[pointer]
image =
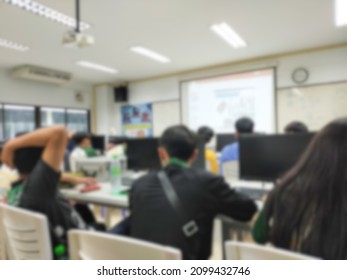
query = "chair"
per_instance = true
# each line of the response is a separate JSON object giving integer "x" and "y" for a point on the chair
{"x": 87, "y": 245}
{"x": 25, "y": 233}
{"x": 245, "y": 251}
{"x": 3, "y": 255}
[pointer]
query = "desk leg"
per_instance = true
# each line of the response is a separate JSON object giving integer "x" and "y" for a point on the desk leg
{"x": 239, "y": 234}
{"x": 226, "y": 234}
{"x": 108, "y": 217}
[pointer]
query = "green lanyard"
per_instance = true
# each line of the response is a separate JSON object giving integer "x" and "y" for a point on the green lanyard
{"x": 14, "y": 194}
{"x": 90, "y": 152}
{"x": 178, "y": 162}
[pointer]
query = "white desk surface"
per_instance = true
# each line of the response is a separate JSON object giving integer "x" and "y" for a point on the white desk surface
{"x": 250, "y": 184}
{"x": 102, "y": 197}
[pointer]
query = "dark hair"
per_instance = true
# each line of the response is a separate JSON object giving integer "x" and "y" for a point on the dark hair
{"x": 205, "y": 133}
{"x": 244, "y": 125}
{"x": 25, "y": 159}
{"x": 80, "y": 136}
{"x": 179, "y": 142}
{"x": 308, "y": 209}
{"x": 296, "y": 127}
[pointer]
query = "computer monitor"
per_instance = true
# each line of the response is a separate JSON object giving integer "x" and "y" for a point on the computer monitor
{"x": 117, "y": 139}
{"x": 98, "y": 142}
{"x": 223, "y": 140}
{"x": 200, "y": 161}
{"x": 268, "y": 157}
{"x": 142, "y": 154}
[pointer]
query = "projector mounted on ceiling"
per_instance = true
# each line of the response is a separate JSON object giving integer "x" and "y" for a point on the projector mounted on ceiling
{"x": 74, "y": 38}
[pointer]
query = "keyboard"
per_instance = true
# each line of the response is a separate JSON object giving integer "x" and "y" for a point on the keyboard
{"x": 126, "y": 181}
{"x": 253, "y": 193}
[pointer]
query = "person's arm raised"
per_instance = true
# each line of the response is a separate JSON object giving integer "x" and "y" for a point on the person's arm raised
{"x": 53, "y": 139}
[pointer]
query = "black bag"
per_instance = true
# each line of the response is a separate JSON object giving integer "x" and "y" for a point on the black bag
{"x": 189, "y": 226}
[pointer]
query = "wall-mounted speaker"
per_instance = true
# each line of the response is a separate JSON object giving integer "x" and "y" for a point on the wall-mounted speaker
{"x": 120, "y": 94}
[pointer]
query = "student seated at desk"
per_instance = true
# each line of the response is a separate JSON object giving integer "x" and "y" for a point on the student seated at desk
{"x": 206, "y": 133}
{"x": 202, "y": 196}
{"x": 38, "y": 156}
{"x": 83, "y": 149}
{"x": 307, "y": 210}
{"x": 296, "y": 127}
{"x": 231, "y": 151}
{"x": 116, "y": 147}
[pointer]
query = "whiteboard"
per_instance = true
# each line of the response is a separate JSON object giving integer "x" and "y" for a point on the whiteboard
{"x": 313, "y": 105}
{"x": 165, "y": 114}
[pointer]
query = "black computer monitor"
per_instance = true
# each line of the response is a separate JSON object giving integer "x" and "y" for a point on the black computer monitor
{"x": 142, "y": 154}
{"x": 223, "y": 140}
{"x": 200, "y": 161}
{"x": 268, "y": 157}
{"x": 117, "y": 139}
{"x": 98, "y": 142}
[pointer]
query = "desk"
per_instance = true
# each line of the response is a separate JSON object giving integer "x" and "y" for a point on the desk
{"x": 231, "y": 227}
{"x": 104, "y": 197}
{"x": 101, "y": 197}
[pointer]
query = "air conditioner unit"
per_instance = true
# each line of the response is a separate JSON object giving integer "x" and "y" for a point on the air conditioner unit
{"x": 40, "y": 74}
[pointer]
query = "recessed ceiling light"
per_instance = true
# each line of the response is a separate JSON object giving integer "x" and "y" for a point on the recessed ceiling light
{"x": 229, "y": 35}
{"x": 97, "y": 67}
{"x": 340, "y": 12}
{"x": 151, "y": 54}
{"x": 44, "y": 11}
{"x": 12, "y": 45}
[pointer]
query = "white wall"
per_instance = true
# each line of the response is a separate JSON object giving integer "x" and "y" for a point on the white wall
{"x": 33, "y": 93}
{"x": 106, "y": 120}
{"x": 156, "y": 90}
{"x": 323, "y": 66}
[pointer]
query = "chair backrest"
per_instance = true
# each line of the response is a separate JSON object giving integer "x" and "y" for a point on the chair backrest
{"x": 231, "y": 170}
{"x": 26, "y": 234}
{"x": 3, "y": 255}
{"x": 246, "y": 251}
{"x": 90, "y": 245}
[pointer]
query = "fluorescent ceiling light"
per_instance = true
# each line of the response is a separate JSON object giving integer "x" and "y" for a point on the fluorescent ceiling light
{"x": 97, "y": 67}
{"x": 229, "y": 35}
{"x": 340, "y": 12}
{"x": 12, "y": 45}
{"x": 44, "y": 11}
{"x": 150, "y": 54}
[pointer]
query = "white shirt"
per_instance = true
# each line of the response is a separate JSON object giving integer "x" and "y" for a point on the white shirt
{"x": 76, "y": 154}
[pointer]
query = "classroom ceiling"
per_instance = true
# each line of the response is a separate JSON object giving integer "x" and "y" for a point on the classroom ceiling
{"x": 179, "y": 29}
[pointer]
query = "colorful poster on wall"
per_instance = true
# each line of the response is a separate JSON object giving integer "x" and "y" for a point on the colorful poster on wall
{"x": 137, "y": 120}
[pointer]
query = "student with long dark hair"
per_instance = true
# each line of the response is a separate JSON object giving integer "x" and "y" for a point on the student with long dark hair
{"x": 307, "y": 211}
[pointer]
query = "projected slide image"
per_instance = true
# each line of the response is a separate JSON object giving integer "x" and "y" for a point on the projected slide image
{"x": 233, "y": 105}
{"x": 219, "y": 102}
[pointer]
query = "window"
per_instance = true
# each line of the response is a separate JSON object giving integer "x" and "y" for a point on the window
{"x": 78, "y": 120}
{"x": 18, "y": 119}
{"x": 25, "y": 118}
{"x": 52, "y": 116}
